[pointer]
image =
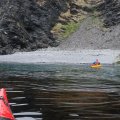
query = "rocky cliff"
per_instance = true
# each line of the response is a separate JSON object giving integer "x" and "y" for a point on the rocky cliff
{"x": 110, "y": 12}
{"x": 27, "y": 25}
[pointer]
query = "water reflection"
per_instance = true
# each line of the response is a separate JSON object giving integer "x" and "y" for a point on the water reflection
{"x": 50, "y": 92}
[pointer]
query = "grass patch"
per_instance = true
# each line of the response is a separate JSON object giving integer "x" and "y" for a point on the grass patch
{"x": 63, "y": 31}
{"x": 69, "y": 28}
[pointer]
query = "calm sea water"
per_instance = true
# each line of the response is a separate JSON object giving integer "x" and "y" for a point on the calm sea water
{"x": 62, "y": 92}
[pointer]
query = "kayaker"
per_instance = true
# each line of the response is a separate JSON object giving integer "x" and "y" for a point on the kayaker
{"x": 96, "y": 62}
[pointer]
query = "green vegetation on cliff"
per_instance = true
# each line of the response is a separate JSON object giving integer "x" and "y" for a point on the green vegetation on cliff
{"x": 64, "y": 31}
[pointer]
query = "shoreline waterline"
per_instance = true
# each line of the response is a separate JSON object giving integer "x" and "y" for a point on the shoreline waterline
{"x": 53, "y": 55}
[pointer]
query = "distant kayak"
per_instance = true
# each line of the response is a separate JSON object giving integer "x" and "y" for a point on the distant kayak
{"x": 96, "y": 66}
{"x": 5, "y": 111}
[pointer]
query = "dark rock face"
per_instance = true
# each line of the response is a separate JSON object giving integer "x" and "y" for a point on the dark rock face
{"x": 111, "y": 12}
{"x": 25, "y": 25}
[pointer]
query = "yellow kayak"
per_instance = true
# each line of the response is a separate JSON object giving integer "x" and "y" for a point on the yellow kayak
{"x": 96, "y": 66}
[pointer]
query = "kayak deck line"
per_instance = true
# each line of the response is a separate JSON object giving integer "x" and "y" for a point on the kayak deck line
{"x": 5, "y": 111}
{"x": 5, "y": 102}
{"x": 96, "y": 66}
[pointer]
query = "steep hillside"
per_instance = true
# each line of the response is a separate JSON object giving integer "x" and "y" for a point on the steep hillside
{"x": 100, "y": 30}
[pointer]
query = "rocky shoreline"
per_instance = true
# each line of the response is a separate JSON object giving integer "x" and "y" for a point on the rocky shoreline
{"x": 26, "y": 25}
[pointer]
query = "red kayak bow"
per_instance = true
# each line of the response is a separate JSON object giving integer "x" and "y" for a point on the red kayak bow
{"x": 5, "y": 111}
